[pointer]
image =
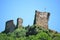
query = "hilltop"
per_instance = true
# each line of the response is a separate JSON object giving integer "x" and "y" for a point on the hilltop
{"x": 31, "y": 33}
{"x": 38, "y": 31}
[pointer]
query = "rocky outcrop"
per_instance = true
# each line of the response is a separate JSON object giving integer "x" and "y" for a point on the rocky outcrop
{"x": 41, "y": 19}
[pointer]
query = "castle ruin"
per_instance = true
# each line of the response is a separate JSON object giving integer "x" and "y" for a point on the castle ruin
{"x": 19, "y": 22}
{"x": 41, "y": 19}
{"x": 10, "y": 26}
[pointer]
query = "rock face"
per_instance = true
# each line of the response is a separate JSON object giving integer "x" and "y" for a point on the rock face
{"x": 19, "y": 22}
{"x": 9, "y": 26}
{"x": 41, "y": 19}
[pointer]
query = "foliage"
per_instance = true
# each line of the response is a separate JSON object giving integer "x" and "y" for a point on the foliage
{"x": 30, "y": 33}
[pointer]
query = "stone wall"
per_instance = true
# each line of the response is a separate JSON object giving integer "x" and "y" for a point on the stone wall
{"x": 19, "y": 22}
{"x": 41, "y": 19}
{"x": 9, "y": 26}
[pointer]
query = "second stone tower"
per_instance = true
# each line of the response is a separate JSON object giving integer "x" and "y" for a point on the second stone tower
{"x": 19, "y": 22}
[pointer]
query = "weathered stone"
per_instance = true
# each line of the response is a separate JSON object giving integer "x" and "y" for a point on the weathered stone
{"x": 19, "y": 22}
{"x": 41, "y": 19}
{"x": 9, "y": 26}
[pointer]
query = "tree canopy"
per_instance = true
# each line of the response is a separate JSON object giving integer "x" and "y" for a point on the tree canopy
{"x": 31, "y": 33}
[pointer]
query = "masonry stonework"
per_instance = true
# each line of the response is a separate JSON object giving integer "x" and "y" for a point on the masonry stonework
{"x": 9, "y": 26}
{"x": 19, "y": 22}
{"x": 41, "y": 19}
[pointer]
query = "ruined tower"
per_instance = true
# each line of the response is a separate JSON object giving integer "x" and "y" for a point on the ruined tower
{"x": 41, "y": 19}
{"x": 9, "y": 26}
{"x": 19, "y": 22}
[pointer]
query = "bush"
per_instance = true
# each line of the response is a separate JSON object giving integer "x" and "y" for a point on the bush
{"x": 33, "y": 32}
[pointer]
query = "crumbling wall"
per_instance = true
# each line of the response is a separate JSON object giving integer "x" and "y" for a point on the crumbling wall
{"x": 9, "y": 26}
{"x": 41, "y": 19}
{"x": 19, "y": 22}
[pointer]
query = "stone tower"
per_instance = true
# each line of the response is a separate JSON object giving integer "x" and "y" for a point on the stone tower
{"x": 41, "y": 19}
{"x": 9, "y": 26}
{"x": 19, "y": 22}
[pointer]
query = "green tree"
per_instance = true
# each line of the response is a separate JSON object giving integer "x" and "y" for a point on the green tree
{"x": 20, "y": 32}
{"x": 43, "y": 36}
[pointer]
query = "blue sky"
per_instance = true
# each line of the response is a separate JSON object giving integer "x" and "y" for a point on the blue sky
{"x": 12, "y": 9}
